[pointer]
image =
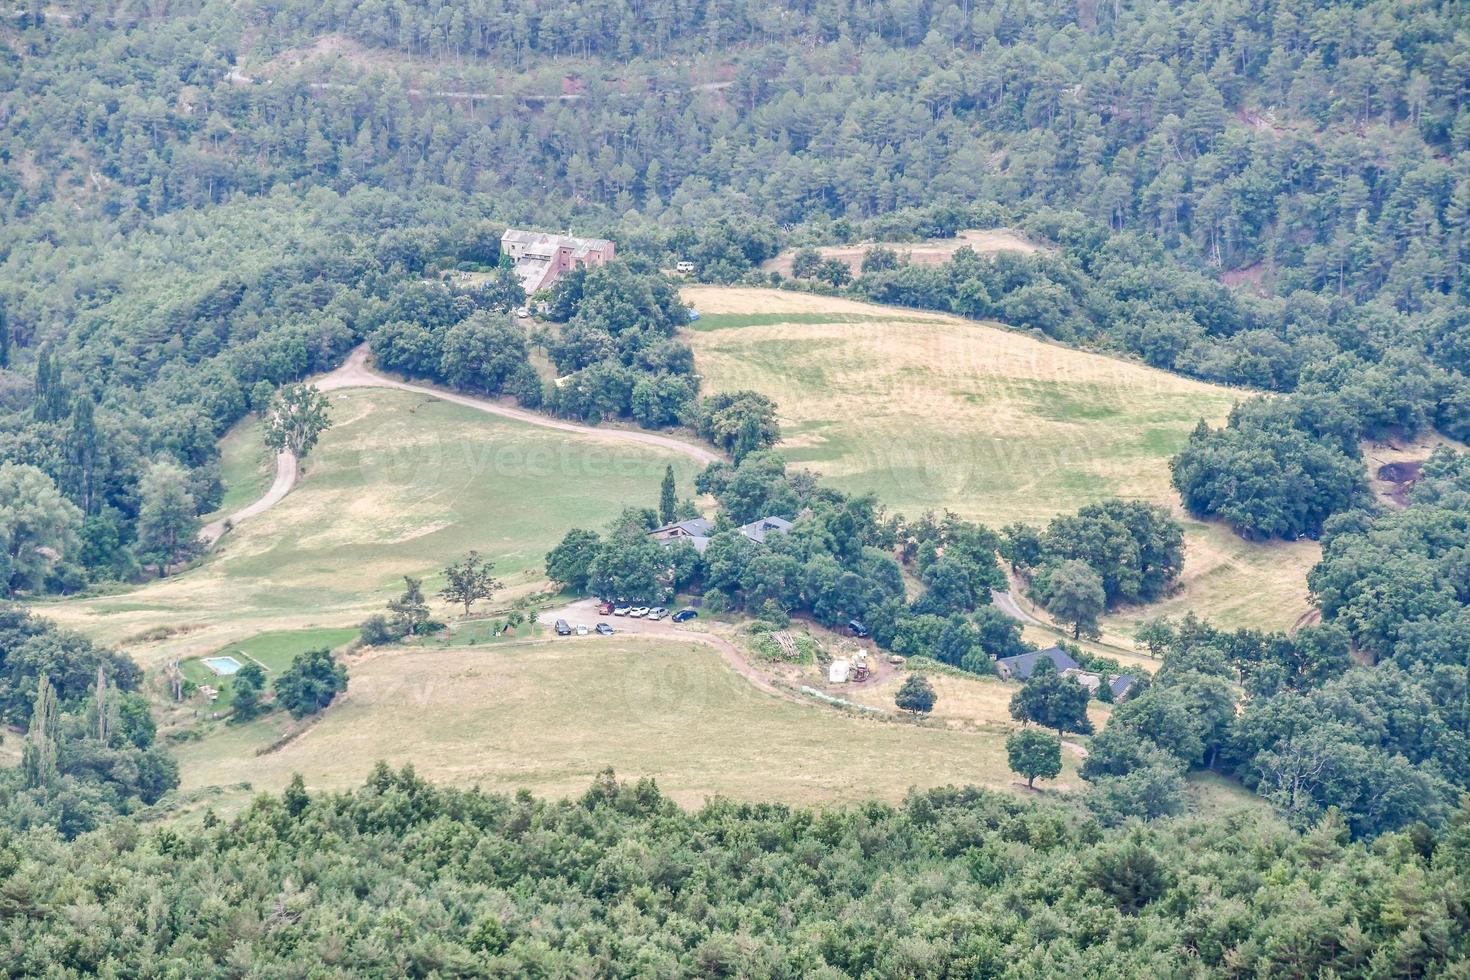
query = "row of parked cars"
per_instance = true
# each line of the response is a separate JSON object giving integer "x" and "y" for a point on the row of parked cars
{"x": 644, "y": 612}
{"x": 563, "y": 628}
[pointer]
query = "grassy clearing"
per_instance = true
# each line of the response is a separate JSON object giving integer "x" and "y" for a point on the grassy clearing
{"x": 934, "y": 251}
{"x": 246, "y": 467}
{"x": 935, "y": 412}
{"x": 401, "y": 484}
{"x": 975, "y": 702}
{"x": 548, "y": 715}
{"x": 273, "y": 651}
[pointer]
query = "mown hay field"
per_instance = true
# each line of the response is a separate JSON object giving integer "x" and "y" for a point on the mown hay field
{"x": 548, "y": 715}
{"x": 935, "y": 412}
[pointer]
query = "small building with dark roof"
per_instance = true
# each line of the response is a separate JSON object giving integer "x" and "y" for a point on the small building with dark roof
{"x": 1021, "y": 667}
{"x": 696, "y": 531}
{"x": 1121, "y": 685}
{"x": 758, "y": 530}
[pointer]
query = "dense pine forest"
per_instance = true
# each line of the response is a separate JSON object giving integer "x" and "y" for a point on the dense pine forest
{"x": 205, "y": 201}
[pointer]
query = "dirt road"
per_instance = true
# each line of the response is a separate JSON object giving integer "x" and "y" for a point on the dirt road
{"x": 1007, "y": 604}
{"x": 356, "y": 373}
{"x": 286, "y": 474}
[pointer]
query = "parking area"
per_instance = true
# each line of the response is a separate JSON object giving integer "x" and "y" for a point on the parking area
{"x": 584, "y": 612}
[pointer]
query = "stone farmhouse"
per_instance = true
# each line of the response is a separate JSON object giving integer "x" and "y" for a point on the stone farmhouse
{"x": 540, "y": 258}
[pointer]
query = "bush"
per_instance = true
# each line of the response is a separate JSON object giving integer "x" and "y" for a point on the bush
{"x": 377, "y": 631}
{"x": 312, "y": 682}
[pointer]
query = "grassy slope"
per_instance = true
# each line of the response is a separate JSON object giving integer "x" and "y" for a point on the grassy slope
{"x": 246, "y": 467}
{"x": 400, "y": 485}
{"x": 933, "y": 412}
{"x": 548, "y": 715}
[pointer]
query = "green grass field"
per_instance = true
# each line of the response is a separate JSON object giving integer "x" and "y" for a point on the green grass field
{"x": 549, "y": 714}
{"x": 246, "y": 467}
{"x": 935, "y": 412}
{"x": 272, "y": 651}
{"x": 400, "y": 485}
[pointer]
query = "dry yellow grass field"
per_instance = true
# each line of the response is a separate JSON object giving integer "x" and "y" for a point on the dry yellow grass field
{"x": 401, "y": 484}
{"x": 936, "y": 412}
{"x": 975, "y": 702}
{"x": 548, "y": 715}
{"x": 934, "y": 251}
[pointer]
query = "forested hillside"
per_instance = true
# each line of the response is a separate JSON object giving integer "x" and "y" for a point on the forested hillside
{"x": 400, "y": 878}
{"x": 207, "y": 200}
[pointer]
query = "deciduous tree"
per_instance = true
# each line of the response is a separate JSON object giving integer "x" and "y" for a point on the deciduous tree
{"x": 468, "y": 580}
{"x": 296, "y": 419}
{"x": 1031, "y": 753}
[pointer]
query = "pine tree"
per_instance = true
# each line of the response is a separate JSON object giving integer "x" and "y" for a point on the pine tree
{"x": 38, "y": 758}
{"x": 668, "y": 499}
{"x": 79, "y": 475}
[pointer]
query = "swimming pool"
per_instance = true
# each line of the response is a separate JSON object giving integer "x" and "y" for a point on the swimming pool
{"x": 222, "y": 665}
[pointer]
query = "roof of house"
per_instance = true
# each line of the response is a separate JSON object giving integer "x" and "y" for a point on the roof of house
{"x": 1121, "y": 684}
{"x": 1024, "y": 665}
{"x": 548, "y": 242}
{"x": 757, "y": 530}
{"x": 696, "y": 530}
{"x": 694, "y": 525}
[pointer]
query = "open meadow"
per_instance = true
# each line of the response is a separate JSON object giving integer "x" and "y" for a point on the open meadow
{"x": 400, "y": 485}
{"x": 935, "y": 412}
{"x": 548, "y": 715}
{"x": 932, "y": 251}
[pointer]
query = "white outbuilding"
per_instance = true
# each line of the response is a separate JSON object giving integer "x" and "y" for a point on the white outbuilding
{"x": 837, "y": 673}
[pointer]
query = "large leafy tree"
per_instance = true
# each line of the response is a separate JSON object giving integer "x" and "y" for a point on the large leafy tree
{"x": 311, "y": 683}
{"x": 297, "y": 417}
{"x": 1074, "y": 592}
{"x": 38, "y": 528}
{"x": 168, "y": 526}
{"x": 570, "y": 562}
{"x": 916, "y": 695}
{"x": 1031, "y": 753}
{"x": 1052, "y": 701}
{"x": 469, "y": 580}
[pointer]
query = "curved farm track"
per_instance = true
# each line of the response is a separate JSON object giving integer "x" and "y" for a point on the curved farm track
{"x": 355, "y": 372}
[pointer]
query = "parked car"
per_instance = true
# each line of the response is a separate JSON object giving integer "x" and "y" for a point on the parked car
{"x": 856, "y": 628}
{"x": 604, "y": 629}
{"x": 562, "y": 629}
{"x": 604, "y": 609}
{"x": 658, "y": 612}
{"x": 622, "y": 610}
{"x": 582, "y": 629}
{"x": 684, "y": 615}
{"x": 693, "y": 315}
{"x": 684, "y": 268}
{"x": 522, "y": 312}
{"x": 639, "y": 613}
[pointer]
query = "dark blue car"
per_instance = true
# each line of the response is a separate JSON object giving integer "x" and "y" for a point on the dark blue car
{"x": 684, "y": 615}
